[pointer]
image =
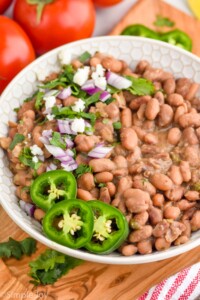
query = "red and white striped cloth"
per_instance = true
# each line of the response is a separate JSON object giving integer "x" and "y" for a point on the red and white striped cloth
{"x": 184, "y": 285}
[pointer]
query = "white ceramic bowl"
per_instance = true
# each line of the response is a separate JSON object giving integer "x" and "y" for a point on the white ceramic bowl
{"x": 130, "y": 49}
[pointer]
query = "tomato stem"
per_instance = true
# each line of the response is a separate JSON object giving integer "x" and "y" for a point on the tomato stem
{"x": 40, "y": 6}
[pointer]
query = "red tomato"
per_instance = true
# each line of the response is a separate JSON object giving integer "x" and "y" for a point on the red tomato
{"x": 62, "y": 21}
{"x": 4, "y": 4}
{"x": 106, "y": 2}
{"x": 16, "y": 50}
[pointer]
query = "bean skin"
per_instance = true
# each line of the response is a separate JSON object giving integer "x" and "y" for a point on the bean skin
{"x": 111, "y": 188}
{"x": 102, "y": 165}
{"x": 192, "y": 195}
{"x": 155, "y": 215}
{"x": 161, "y": 182}
{"x": 175, "y": 194}
{"x": 141, "y": 218}
{"x": 161, "y": 244}
{"x": 180, "y": 111}
{"x": 160, "y": 229}
{"x": 105, "y": 195}
{"x": 141, "y": 234}
{"x": 139, "y": 182}
{"x": 172, "y": 212}
{"x": 136, "y": 200}
{"x": 145, "y": 247}
{"x": 128, "y": 250}
{"x": 195, "y": 221}
{"x": 103, "y": 177}
{"x": 84, "y": 195}
{"x": 86, "y": 182}
{"x": 185, "y": 171}
{"x": 112, "y": 64}
{"x": 190, "y": 136}
{"x": 184, "y": 204}
{"x": 152, "y": 109}
{"x": 175, "y": 174}
{"x": 151, "y": 138}
{"x": 39, "y": 214}
{"x": 124, "y": 184}
{"x": 189, "y": 119}
{"x": 129, "y": 138}
{"x": 158, "y": 200}
{"x": 5, "y": 142}
{"x": 169, "y": 86}
{"x": 165, "y": 115}
{"x": 135, "y": 103}
{"x": 175, "y": 99}
{"x": 181, "y": 240}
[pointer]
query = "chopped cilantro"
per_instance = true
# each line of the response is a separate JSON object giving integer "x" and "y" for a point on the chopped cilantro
{"x": 110, "y": 100}
{"x": 196, "y": 187}
{"x": 75, "y": 89}
{"x": 54, "y": 83}
{"x": 50, "y": 266}
{"x": 39, "y": 100}
{"x": 140, "y": 86}
{"x": 82, "y": 169}
{"x": 163, "y": 22}
{"x": 117, "y": 125}
{"x": 16, "y": 249}
{"x": 57, "y": 141}
{"x": 18, "y": 138}
{"x": 111, "y": 89}
{"x": 16, "y": 109}
{"x": 105, "y": 121}
{"x": 93, "y": 99}
{"x": 100, "y": 185}
{"x": 84, "y": 57}
{"x": 25, "y": 158}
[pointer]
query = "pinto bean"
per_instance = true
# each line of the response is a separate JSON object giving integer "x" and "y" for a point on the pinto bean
{"x": 185, "y": 171}
{"x": 142, "y": 66}
{"x": 143, "y": 184}
{"x": 153, "y": 74}
{"x": 183, "y": 86}
{"x": 126, "y": 117}
{"x": 136, "y": 102}
{"x": 161, "y": 244}
{"x": 189, "y": 120}
{"x": 120, "y": 162}
{"x": 102, "y": 165}
{"x": 94, "y": 61}
{"x": 187, "y": 231}
{"x": 76, "y": 64}
{"x": 5, "y": 142}
{"x": 175, "y": 174}
{"x": 181, "y": 240}
{"x": 180, "y": 111}
{"x": 39, "y": 214}
{"x": 141, "y": 234}
{"x": 151, "y": 138}
{"x": 85, "y": 143}
{"x": 165, "y": 115}
{"x": 86, "y": 182}
{"x": 158, "y": 200}
{"x": 145, "y": 246}
{"x": 95, "y": 193}
{"x": 113, "y": 112}
{"x": 84, "y": 195}
{"x": 141, "y": 112}
{"x": 192, "y": 91}
{"x": 175, "y": 194}
{"x": 124, "y": 184}
{"x": 129, "y": 138}
{"x": 192, "y": 195}
{"x": 172, "y": 212}
{"x": 185, "y": 204}
{"x": 29, "y": 114}
{"x": 161, "y": 228}
{"x": 136, "y": 200}
{"x": 137, "y": 121}
{"x": 152, "y": 109}
{"x": 104, "y": 195}
{"x": 120, "y": 172}
{"x": 128, "y": 250}
{"x": 175, "y": 99}
{"x": 25, "y": 106}
{"x": 161, "y": 182}
{"x": 195, "y": 221}
{"x": 112, "y": 64}
{"x": 23, "y": 194}
{"x": 190, "y": 136}
{"x": 69, "y": 101}
{"x": 174, "y": 136}
{"x": 191, "y": 154}
{"x": 155, "y": 215}
{"x": 141, "y": 218}
{"x": 111, "y": 188}
{"x": 169, "y": 86}
{"x": 175, "y": 230}
{"x": 103, "y": 177}
{"x": 160, "y": 97}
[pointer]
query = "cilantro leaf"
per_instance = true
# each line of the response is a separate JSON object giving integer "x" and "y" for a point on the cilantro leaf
{"x": 17, "y": 249}
{"x": 39, "y": 100}
{"x": 54, "y": 83}
{"x": 82, "y": 169}
{"x": 140, "y": 86}
{"x": 93, "y": 99}
{"x": 57, "y": 141}
{"x": 117, "y": 125}
{"x": 18, "y": 138}
{"x": 163, "y": 22}
{"x": 50, "y": 266}
{"x": 84, "y": 57}
{"x": 100, "y": 185}
{"x": 68, "y": 73}
{"x": 25, "y": 158}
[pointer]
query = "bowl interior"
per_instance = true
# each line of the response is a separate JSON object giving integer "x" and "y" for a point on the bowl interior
{"x": 130, "y": 49}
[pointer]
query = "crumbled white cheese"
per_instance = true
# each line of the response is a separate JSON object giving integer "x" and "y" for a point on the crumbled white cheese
{"x": 100, "y": 70}
{"x": 65, "y": 57}
{"x": 35, "y": 150}
{"x": 50, "y": 117}
{"x": 81, "y": 76}
{"x": 79, "y": 105}
{"x": 29, "y": 135}
{"x": 78, "y": 125}
{"x": 35, "y": 159}
{"x": 50, "y": 101}
{"x": 101, "y": 83}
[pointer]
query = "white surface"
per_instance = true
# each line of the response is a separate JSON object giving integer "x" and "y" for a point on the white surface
{"x": 130, "y": 49}
{"x": 107, "y": 18}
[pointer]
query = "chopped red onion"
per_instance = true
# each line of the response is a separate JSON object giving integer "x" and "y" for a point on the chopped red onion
{"x": 105, "y": 96}
{"x": 69, "y": 167}
{"x": 55, "y": 151}
{"x": 51, "y": 167}
{"x": 89, "y": 84}
{"x": 65, "y": 93}
{"x": 99, "y": 151}
{"x": 44, "y": 140}
{"x": 117, "y": 81}
{"x": 64, "y": 127}
{"x": 47, "y": 133}
{"x": 41, "y": 157}
{"x": 88, "y": 128}
{"x": 27, "y": 207}
{"x": 49, "y": 93}
{"x": 69, "y": 143}
{"x": 69, "y": 152}
{"x": 92, "y": 91}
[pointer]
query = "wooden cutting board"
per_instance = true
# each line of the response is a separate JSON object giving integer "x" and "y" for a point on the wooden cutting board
{"x": 88, "y": 281}
{"x": 91, "y": 280}
{"x": 145, "y": 12}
